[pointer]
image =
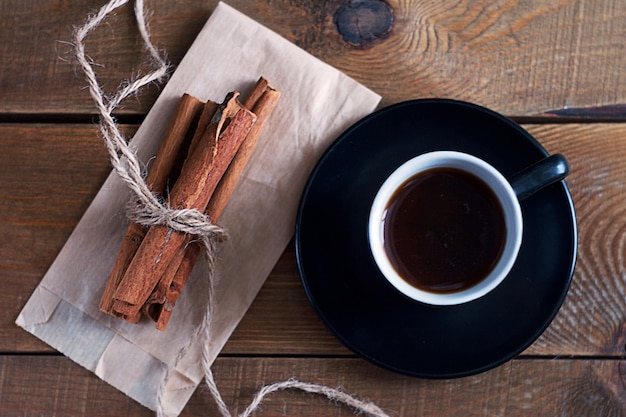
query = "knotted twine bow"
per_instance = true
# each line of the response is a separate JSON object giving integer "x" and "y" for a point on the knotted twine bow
{"x": 148, "y": 210}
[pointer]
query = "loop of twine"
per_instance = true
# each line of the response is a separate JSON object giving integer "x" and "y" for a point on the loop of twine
{"x": 148, "y": 210}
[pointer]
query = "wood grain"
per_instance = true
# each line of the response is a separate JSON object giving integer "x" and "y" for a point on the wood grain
{"x": 44, "y": 385}
{"x": 50, "y": 174}
{"x": 593, "y": 320}
{"x": 53, "y": 385}
{"x": 39, "y": 66}
{"x": 518, "y": 388}
{"x": 43, "y": 204}
{"x": 520, "y": 58}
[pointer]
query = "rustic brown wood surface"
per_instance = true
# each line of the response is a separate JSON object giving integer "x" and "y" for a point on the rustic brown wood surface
{"x": 556, "y": 66}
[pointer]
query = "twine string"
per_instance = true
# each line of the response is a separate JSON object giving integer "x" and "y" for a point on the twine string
{"x": 148, "y": 210}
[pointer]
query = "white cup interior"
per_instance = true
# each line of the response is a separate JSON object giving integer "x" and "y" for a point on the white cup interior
{"x": 473, "y": 165}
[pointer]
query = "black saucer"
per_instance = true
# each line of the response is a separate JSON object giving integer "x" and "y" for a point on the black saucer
{"x": 371, "y": 317}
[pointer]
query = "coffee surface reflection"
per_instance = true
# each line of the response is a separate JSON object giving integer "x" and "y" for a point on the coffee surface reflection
{"x": 444, "y": 230}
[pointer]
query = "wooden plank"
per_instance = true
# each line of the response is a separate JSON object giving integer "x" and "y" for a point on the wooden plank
{"x": 518, "y": 388}
{"x": 40, "y": 72}
{"x": 43, "y": 204}
{"x": 53, "y": 385}
{"x": 281, "y": 320}
{"x": 592, "y": 319}
{"x": 521, "y": 58}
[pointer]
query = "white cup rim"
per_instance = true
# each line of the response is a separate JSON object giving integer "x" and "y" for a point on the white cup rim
{"x": 497, "y": 182}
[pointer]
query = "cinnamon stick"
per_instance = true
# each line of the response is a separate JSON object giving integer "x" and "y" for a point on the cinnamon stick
{"x": 262, "y": 101}
{"x": 200, "y": 175}
{"x": 186, "y": 113}
{"x": 208, "y": 112}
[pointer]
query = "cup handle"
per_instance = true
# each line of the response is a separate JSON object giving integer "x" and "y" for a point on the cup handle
{"x": 539, "y": 175}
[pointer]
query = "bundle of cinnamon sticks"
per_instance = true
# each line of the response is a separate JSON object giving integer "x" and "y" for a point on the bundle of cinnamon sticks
{"x": 201, "y": 158}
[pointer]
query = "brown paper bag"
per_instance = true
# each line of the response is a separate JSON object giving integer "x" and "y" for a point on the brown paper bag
{"x": 318, "y": 102}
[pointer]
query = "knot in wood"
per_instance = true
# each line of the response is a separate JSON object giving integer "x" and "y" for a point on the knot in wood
{"x": 364, "y": 22}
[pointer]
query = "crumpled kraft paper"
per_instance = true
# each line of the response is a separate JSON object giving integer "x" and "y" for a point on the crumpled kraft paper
{"x": 318, "y": 102}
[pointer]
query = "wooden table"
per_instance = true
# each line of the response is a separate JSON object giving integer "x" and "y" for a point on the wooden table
{"x": 557, "y": 67}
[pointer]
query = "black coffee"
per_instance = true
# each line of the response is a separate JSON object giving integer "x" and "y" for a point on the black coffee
{"x": 444, "y": 230}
